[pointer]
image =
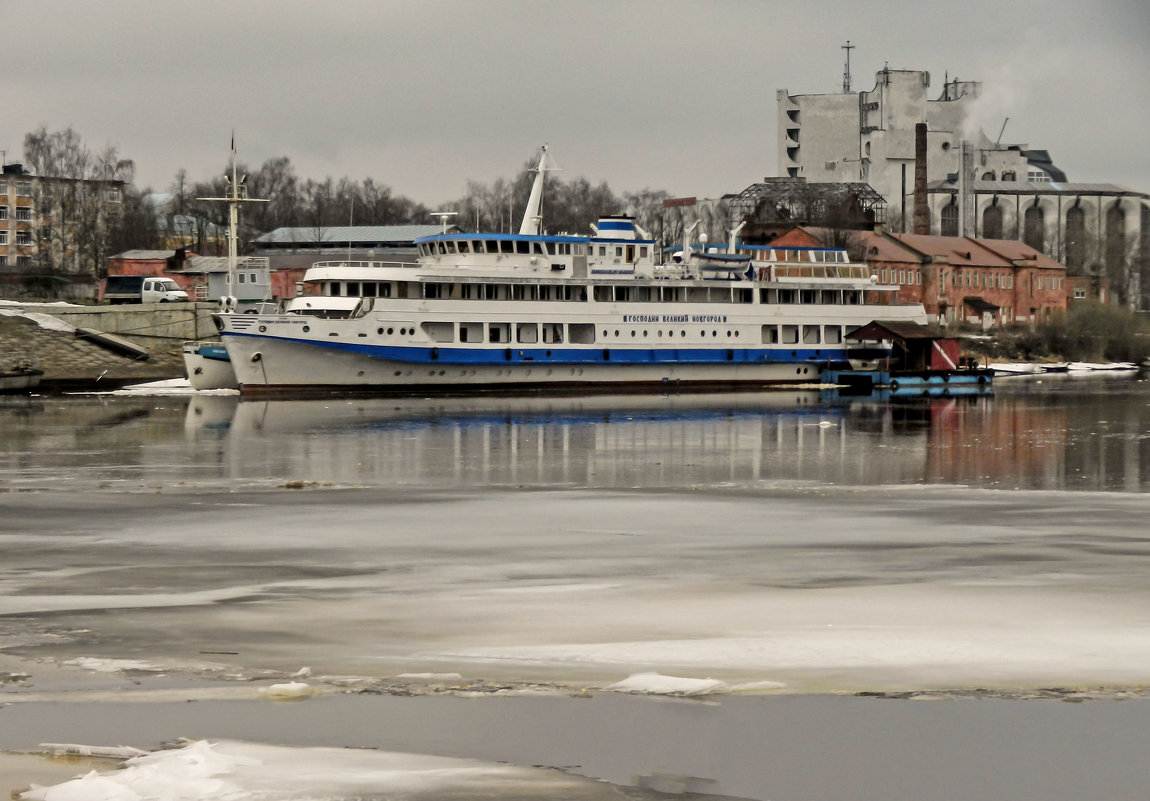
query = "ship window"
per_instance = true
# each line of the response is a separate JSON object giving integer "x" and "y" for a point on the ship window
{"x": 832, "y": 334}
{"x": 622, "y": 294}
{"x": 553, "y": 333}
{"x": 517, "y": 291}
{"x": 241, "y": 278}
{"x": 642, "y": 251}
{"x": 744, "y": 296}
{"x": 352, "y": 288}
{"x": 369, "y": 288}
{"x": 499, "y": 332}
{"x": 336, "y": 289}
{"x": 790, "y": 334}
{"x": 385, "y": 290}
{"x": 603, "y": 294}
{"x": 522, "y": 247}
{"x": 505, "y": 246}
{"x": 810, "y": 335}
{"x": 787, "y": 296}
{"x": 581, "y": 333}
{"x": 439, "y": 331}
{"x": 809, "y": 295}
{"x": 770, "y": 335}
{"x": 471, "y": 332}
{"x": 527, "y": 333}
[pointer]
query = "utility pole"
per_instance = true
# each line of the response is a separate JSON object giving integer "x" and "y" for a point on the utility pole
{"x": 847, "y": 72}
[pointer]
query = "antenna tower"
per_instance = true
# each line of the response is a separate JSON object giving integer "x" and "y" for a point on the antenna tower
{"x": 847, "y": 72}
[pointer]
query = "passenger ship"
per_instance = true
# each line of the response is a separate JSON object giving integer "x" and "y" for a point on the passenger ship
{"x": 525, "y": 311}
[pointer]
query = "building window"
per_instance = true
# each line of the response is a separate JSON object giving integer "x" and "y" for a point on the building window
{"x": 1034, "y": 227}
{"x": 3, "y": 212}
{"x": 992, "y": 222}
{"x": 1037, "y": 176}
{"x": 23, "y": 214}
{"x": 1075, "y": 238}
{"x": 950, "y": 220}
{"x": 23, "y": 237}
{"x": 1080, "y": 294}
{"x": 1115, "y": 255}
{"x": 3, "y": 237}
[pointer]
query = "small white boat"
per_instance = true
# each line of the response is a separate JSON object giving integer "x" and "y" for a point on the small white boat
{"x": 208, "y": 365}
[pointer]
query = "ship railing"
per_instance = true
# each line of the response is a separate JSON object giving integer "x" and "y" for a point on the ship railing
{"x": 804, "y": 272}
{"x": 373, "y": 263}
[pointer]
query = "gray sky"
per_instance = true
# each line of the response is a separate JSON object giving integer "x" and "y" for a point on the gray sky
{"x": 667, "y": 94}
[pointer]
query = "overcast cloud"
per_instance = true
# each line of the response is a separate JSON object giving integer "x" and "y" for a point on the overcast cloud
{"x": 663, "y": 94}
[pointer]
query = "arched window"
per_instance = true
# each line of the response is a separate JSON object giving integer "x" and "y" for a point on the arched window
{"x": 1008, "y": 175}
{"x": 1115, "y": 238}
{"x": 988, "y": 176}
{"x": 992, "y": 222}
{"x": 1075, "y": 238}
{"x": 1034, "y": 227}
{"x": 950, "y": 220}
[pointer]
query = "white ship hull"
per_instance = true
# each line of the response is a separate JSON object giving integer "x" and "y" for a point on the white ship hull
{"x": 208, "y": 366}
{"x": 299, "y": 355}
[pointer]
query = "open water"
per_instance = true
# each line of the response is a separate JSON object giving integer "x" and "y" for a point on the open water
{"x": 823, "y": 560}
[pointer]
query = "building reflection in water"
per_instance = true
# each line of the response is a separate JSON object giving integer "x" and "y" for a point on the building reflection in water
{"x": 1027, "y": 440}
{"x": 620, "y": 442}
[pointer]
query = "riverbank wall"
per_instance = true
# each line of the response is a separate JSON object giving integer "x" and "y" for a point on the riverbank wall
{"x": 71, "y": 363}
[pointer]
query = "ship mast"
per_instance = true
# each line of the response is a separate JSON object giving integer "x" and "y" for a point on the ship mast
{"x": 532, "y": 215}
{"x": 237, "y": 194}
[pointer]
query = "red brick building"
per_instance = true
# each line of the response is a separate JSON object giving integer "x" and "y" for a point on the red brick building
{"x": 985, "y": 282}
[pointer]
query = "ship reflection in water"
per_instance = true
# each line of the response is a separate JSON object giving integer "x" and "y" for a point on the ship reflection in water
{"x": 1087, "y": 439}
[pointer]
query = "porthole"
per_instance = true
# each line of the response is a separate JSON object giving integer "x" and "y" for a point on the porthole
{"x": 682, "y": 333}
{"x": 714, "y": 333}
{"x": 644, "y": 334}
{"x": 398, "y": 373}
{"x": 616, "y": 332}
{"x": 390, "y": 331}
{"x": 379, "y": 330}
{"x": 306, "y": 328}
{"x": 263, "y": 328}
{"x": 632, "y": 332}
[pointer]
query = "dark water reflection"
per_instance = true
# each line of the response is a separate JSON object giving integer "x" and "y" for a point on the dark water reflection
{"x": 1058, "y": 434}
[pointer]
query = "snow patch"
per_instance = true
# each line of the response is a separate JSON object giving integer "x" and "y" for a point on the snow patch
{"x": 98, "y": 665}
{"x": 289, "y": 689}
{"x": 46, "y": 321}
{"x": 250, "y": 772}
{"x": 658, "y": 684}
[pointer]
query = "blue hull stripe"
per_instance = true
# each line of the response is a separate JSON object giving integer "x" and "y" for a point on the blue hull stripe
{"x": 597, "y": 355}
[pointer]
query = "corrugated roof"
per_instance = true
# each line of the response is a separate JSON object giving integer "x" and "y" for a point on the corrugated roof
{"x": 1027, "y": 188}
{"x": 362, "y": 234}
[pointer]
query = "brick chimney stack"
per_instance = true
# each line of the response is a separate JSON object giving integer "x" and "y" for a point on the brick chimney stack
{"x": 921, "y": 224}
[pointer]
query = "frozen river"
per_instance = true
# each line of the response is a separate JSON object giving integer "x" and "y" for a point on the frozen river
{"x": 783, "y": 558}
